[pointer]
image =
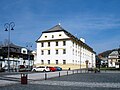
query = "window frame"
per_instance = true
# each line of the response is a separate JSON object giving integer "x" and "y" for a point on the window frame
{"x": 64, "y": 51}
{"x": 64, "y": 43}
{"x": 56, "y": 62}
{"x": 56, "y": 51}
{"x": 48, "y": 52}
{"x": 52, "y": 36}
{"x": 42, "y": 52}
{"x": 48, "y": 44}
{"x": 42, "y": 44}
{"x": 64, "y": 62}
{"x": 48, "y": 62}
{"x": 42, "y": 62}
{"x": 56, "y": 43}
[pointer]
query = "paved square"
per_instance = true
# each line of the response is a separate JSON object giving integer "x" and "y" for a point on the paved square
{"x": 82, "y": 81}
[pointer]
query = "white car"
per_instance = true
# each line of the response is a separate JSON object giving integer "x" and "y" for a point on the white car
{"x": 41, "y": 68}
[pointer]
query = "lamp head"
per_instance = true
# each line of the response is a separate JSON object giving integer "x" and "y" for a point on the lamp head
{"x": 12, "y": 28}
{"x": 6, "y": 29}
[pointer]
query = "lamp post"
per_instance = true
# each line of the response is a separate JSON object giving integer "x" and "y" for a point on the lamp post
{"x": 9, "y": 27}
{"x": 29, "y": 46}
{"x": 119, "y": 52}
{"x": 92, "y": 60}
{"x": 119, "y": 56}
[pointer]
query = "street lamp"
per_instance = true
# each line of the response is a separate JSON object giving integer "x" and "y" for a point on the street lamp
{"x": 29, "y": 46}
{"x": 8, "y": 27}
{"x": 119, "y": 52}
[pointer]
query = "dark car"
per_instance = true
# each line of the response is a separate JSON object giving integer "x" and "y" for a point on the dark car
{"x": 58, "y": 68}
{"x": 2, "y": 70}
{"x": 22, "y": 68}
{"x": 90, "y": 69}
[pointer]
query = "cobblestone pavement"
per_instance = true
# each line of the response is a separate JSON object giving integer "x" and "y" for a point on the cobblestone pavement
{"x": 82, "y": 81}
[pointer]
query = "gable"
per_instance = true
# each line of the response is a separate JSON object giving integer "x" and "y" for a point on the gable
{"x": 53, "y": 36}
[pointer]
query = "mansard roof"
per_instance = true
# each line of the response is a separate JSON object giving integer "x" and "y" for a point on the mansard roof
{"x": 54, "y": 29}
{"x": 58, "y": 28}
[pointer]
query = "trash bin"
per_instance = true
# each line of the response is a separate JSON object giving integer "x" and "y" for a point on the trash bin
{"x": 23, "y": 78}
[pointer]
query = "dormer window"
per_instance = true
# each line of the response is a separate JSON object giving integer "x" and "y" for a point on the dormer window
{"x": 60, "y": 35}
{"x": 52, "y": 36}
{"x": 24, "y": 51}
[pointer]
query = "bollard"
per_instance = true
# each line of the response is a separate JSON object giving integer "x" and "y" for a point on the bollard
{"x": 45, "y": 76}
{"x": 23, "y": 78}
{"x": 67, "y": 73}
{"x": 105, "y": 70}
{"x": 59, "y": 74}
{"x": 73, "y": 71}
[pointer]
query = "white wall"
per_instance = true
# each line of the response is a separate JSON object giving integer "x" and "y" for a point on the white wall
{"x": 69, "y": 56}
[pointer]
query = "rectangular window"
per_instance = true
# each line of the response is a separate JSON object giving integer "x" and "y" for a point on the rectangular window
{"x": 48, "y": 52}
{"x": 64, "y": 61}
{"x": 42, "y": 52}
{"x": 57, "y": 51}
{"x": 48, "y": 61}
{"x": 64, "y": 43}
{"x": 42, "y": 44}
{"x": 42, "y": 61}
{"x": 48, "y": 44}
{"x": 56, "y": 61}
{"x": 64, "y": 51}
{"x": 56, "y": 43}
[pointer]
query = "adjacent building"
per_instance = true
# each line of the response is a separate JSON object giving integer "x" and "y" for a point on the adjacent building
{"x": 114, "y": 59}
{"x": 58, "y": 47}
{"x": 18, "y": 56}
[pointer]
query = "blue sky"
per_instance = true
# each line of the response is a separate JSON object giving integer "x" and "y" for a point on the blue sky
{"x": 97, "y": 21}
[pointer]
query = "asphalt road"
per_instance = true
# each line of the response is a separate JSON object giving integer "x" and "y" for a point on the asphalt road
{"x": 80, "y": 81}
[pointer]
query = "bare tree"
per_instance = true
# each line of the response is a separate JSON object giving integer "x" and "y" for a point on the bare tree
{"x": 5, "y": 42}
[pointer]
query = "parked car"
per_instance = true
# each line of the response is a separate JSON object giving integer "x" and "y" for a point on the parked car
{"x": 22, "y": 68}
{"x": 41, "y": 68}
{"x": 58, "y": 68}
{"x": 90, "y": 69}
{"x": 52, "y": 69}
{"x": 94, "y": 69}
{"x": 2, "y": 70}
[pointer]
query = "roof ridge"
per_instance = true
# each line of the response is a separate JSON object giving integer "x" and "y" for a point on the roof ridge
{"x": 55, "y": 28}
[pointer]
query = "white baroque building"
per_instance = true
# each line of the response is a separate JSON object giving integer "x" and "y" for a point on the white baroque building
{"x": 58, "y": 47}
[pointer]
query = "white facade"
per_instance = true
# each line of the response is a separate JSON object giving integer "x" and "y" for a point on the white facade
{"x": 113, "y": 59}
{"x": 59, "y": 48}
